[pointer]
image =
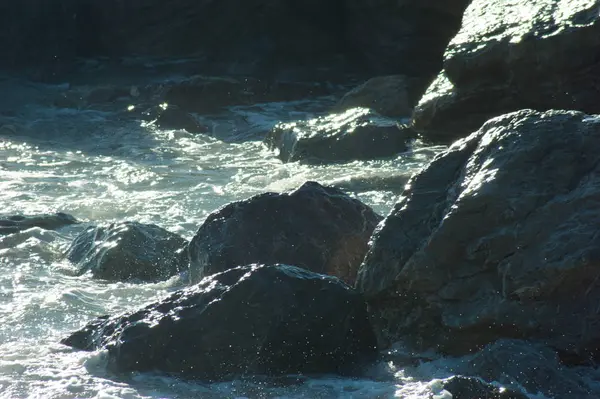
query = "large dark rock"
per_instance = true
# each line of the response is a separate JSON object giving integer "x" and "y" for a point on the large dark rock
{"x": 496, "y": 238}
{"x": 248, "y": 320}
{"x": 16, "y": 223}
{"x": 356, "y": 134}
{"x": 128, "y": 251}
{"x": 513, "y": 55}
{"x": 517, "y": 363}
{"x": 314, "y": 227}
{"x": 313, "y": 40}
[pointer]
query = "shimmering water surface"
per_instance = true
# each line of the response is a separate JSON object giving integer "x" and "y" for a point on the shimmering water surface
{"x": 100, "y": 169}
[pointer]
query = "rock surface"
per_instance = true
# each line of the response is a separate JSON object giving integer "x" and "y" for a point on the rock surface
{"x": 518, "y": 363}
{"x": 510, "y": 55}
{"x": 391, "y": 96}
{"x": 496, "y": 238}
{"x": 356, "y": 134}
{"x": 318, "y": 228}
{"x": 128, "y": 251}
{"x": 249, "y": 320}
{"x": 472, "y": 388}
{"x": 314, "y": 40}
{"x": 17, "y": 223}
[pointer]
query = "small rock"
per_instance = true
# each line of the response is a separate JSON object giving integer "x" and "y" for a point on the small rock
{"x": 472, "y": 388}
{"x": 128, "y": 251}
{"x": 14, "y": 224}
{"x": 356, "y": 134}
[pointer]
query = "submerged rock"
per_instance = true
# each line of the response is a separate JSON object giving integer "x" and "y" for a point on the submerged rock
{"x": 353, "y": 135}
{"x": 253, "y": 319}
{"x": 16, "y": 223}
{"x": 496, "y": 238}
{"x": 172, "y": 117}
{"x": 314, "y": 227}
{"x": 510, "y": 55}
{"x": 128, "y": 251}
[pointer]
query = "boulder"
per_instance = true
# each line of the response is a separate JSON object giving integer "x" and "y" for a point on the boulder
{"x": 513, "y": 55}
{"x": 391, "y": 96}
{"x": 128, "y": 251}
{"x": 521, "y": 364}
{"x": 356, "y": 134}
{"x": 318, "y": 228}
{"x": 248, "y": 320}
{"x": 17, "y": 223}
{"x": 461, "y": 387}
{"x": 496, "y": 238}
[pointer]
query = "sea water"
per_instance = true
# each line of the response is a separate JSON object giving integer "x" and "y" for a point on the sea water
{"x": 101, "y": 168}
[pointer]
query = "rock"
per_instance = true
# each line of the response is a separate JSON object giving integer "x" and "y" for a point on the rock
{"x": 318, "y": 228}
{"x": 172, "y": 117}
{"x": 310, "y": 40}
{"x": 253, "y": 319}
{"x": 17, "y": 223}
{"x": 353, "y": 135}
{"x": 496, "y": 238}
{"x": 529, "y": 365}
{"x": 513, "y": 55}
{"x": 404, "y": 37}
{"x": 128, "y": 251}
{"x": 209, "y": 95}
{"x": 473, "y": 388}
{"x": 392, "y": 96}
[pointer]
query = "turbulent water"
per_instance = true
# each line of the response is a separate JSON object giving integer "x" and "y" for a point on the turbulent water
{"x": 101, "y": 169}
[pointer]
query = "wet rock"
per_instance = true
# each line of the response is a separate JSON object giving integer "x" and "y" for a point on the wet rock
{"x": 318, "y": 228}
{"x": 172, "y": 117}
{"x": 386, "y": 95}
{"x": 128, "y": 251}
{"x": 17, "y": 223}
{"x": 409, "y": 35}
{"x": 513, "y": 55}
{"x": 473, "y": 388}
{"x": 310, "y": 40}
{"x": 496, "y": 238}
{"x": 356, "y": 134}
{"x": 517, "y": 363}
{"x": 253, "y": 319}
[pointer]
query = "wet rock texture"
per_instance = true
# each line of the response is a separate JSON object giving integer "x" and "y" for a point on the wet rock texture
{"x": 510, "y": 55}
{"x": 526, "y": 365}
{"x": 128, "y": 251}
{"x": 393, "y": 96}
{"x": 249, "y": 320}
{"x": 496, "y": 238}
{"x": 314, "y": 227}
{"x": 357, "y": 134}
{"x": 17, "y": 223}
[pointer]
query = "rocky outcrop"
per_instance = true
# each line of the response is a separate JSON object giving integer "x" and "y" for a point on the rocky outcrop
{"x": 522, "y": 364}
{"x": 392, "y": 96}
{"x": 496, "y": 238}
{"x": 308, "y": 40}
{"x": 17, "y": 223}
{"x": 318, "y": 228}
{"x": 356, "y": 134}
{"x": 513, "y": 55}
{"x": 128, "y": 251}
{"x": 249, "y": 320}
